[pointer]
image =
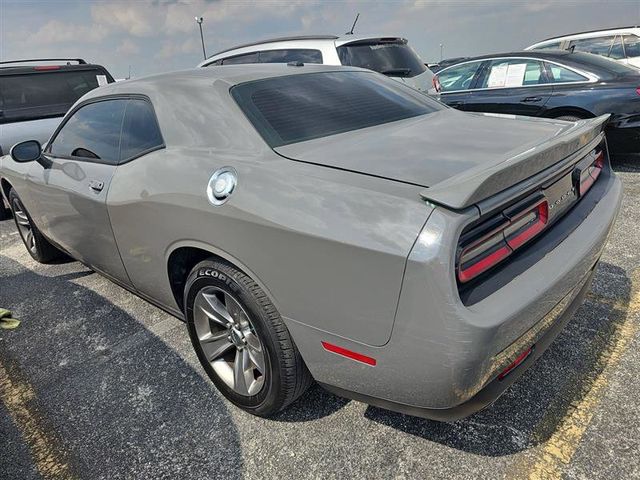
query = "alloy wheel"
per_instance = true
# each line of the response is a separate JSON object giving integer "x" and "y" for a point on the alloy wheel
{"x": 228, "y": 341}
{"x": 24, "y": 225}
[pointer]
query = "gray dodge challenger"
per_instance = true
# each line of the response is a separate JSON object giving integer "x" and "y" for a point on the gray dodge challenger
{"x": 323, "y": 223}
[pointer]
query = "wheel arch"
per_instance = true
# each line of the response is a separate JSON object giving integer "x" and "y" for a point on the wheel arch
{"x": 575, "y": 111}
{"x": 182, "y": 257}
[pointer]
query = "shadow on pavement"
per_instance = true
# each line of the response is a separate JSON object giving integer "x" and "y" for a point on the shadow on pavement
{"x": 532, "y": 409}
{"x": 113, "y": 398}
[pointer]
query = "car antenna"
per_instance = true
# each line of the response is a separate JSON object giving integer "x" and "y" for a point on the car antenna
{"x": 350, "y": 32}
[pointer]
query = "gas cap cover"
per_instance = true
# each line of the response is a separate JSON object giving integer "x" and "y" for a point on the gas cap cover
{"x": 221, "y": 185}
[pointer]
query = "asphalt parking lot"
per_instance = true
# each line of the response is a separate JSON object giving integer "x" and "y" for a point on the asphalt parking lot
{"x": 97, "y": 383}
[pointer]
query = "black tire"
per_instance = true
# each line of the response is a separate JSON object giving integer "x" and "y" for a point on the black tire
{"x": 5, "y": 213}
{"x": 40, "y": 249}
{"x": 286, "y": 376}
{"x": 568, "y": 118}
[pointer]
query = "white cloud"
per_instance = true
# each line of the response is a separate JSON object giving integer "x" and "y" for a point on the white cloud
{"x": 57, "y": 31}
{"x": 172, "y": 48}
{"x": 127, "y": 47}
{"x": 135, "y": 18}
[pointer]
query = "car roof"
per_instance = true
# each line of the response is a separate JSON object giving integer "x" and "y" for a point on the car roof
{"x": 198, "y": 77}
{"x": 39, "y": 65}
{"x": 613, "y": 30}
{"x": 332, "y": 39}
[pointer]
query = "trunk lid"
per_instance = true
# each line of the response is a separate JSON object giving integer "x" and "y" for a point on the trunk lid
{"x": 461, "y": 158}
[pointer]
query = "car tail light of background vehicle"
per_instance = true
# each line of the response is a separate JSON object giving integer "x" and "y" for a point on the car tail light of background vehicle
{"x": 436, "y": 83}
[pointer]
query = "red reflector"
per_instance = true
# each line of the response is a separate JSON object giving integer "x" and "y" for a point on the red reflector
{"x": 638, "y": 90}
{"x": 485, "y": 264}
{"x": 521, "y": 358}
{"x": 47, "y": 67}
{"x": 349, "y": 354}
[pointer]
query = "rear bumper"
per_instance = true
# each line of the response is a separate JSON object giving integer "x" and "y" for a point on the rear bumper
{"x": 496, "y": 387}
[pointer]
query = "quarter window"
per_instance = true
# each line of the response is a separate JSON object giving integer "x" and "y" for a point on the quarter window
{"x": 513, "y": 73}
{"x": 92, "y": 132}
{"x": 140, "y": 131}
{"x": 560, "y": 74}
{"x": 617, "y": 51}
{"x": 550, "y": 46}
{"x": 632, "y": 46}
{"x": 459, "y": 77}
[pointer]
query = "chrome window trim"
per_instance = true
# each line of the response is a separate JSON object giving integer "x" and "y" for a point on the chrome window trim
{"x": 591, "y": 78}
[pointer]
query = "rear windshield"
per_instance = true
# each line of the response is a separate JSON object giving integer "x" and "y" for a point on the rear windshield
{"x": 32, "y": 96}
{"x": 394, "y": 58}
{"x": 296, "y": 108}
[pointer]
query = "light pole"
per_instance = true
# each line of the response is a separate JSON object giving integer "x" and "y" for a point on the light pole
{"x": 199, "y": 21}
{"x": 441, "y": 50}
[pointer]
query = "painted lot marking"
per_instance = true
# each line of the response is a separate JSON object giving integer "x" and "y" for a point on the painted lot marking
{"x": 551, "y": 460}
{"x": 18, "y": 397}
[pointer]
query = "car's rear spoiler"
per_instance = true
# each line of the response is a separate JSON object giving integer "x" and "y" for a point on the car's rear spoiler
{"x": 476, "y": 184}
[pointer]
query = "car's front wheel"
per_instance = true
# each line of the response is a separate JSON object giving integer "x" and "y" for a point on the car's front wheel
{"x": 37, "y": 246}
{"x": 241, "y": 340}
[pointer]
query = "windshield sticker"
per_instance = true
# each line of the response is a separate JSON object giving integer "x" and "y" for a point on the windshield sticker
{"x": 102, "y": 80}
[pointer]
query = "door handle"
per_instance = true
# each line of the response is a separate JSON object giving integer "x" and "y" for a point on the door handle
{"x": 531, "y": 99}
{"x": 96, "y": 185}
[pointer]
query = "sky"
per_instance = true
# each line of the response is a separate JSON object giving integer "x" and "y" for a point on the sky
{"x": 153, "y": 36}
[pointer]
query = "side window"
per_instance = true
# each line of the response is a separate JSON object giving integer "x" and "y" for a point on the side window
{"x": 458, "y": 77}
{"x": 512, "y": 73}
{"x": 632, "y": 46}
{"x": 597, "y": 45}
{"x": 305, "y": 55}
{"x": 560, "y": 74}
{"x": 140, "y": 131}
{"x": 617, "y": 52}
{"x": 240, "y": 59}
{"x": 92, "y": 132}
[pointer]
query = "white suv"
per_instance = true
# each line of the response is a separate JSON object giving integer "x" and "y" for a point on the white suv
{"x": 621, "y": 44}
{"x": 391, "y": 56}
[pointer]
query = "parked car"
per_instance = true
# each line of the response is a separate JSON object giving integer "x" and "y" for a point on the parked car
{"x": 33, "y": 98}
{"x": 621, "y": 44}
{"x": 447, "y": 62}
{"x": 391, "y": 56}
{"x": 554, "y": 84}
{"x": 328, "y": 223}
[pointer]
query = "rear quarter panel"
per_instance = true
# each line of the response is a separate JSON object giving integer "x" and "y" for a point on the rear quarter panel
{"x": 328, "y": 246}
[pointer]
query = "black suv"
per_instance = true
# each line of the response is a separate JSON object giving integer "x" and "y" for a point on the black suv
{"x": 35, "y": 94}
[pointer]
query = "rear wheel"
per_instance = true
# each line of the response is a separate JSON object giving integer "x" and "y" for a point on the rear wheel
{"x": 241, "y": 340}
{"x": 37, "y": 246}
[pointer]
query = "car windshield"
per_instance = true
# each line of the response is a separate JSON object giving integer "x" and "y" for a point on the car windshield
{"x": 296, "y": 108}
{"x": 394, "y": 58}
{"x": 32, "y": 96}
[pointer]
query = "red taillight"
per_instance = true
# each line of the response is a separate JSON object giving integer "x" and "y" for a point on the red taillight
{"x": 47, "y": 67}
{"x": 349, "y": 353}
{"x": 638, "y": 90}
{"x": 589, "y": 177}
{"x": 521, "y": 358}
{"x": 516, "y": 229}
{"x": 436, "y": 83}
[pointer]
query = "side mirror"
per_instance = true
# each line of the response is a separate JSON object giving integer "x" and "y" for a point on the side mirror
{"x": 28, "y": 151}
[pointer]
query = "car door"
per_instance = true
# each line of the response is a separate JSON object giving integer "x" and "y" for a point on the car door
{"x": 70, "y": 191}
{"x": 516, "y": 86}
{"x": 454, "y": 83}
